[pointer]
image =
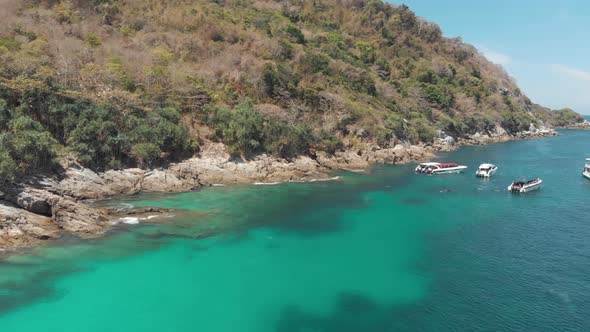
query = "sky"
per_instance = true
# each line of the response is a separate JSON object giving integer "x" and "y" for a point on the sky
{"x": 544, "y": 45}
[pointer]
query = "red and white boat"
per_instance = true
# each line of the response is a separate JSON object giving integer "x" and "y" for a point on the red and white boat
{"x": 439, "y": 168}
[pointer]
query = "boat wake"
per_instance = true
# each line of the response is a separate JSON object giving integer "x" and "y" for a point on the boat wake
{"x": 132, "y": 220}
{"x": 334, "y": 178}
{"x": 267, "y": 183}
{"x": 122, "y": 207}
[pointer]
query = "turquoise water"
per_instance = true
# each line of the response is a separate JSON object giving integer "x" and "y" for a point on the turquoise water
{"x": 383, "y": 251}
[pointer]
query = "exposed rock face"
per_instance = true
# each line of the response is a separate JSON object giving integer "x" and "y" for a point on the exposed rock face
{"x": 167, "y": 180}
{"x": 500, "y": 135}
{"x": 20, "y": 227}
{"x": 85, "y": 184}
{"x": 581, "y": 125}
{"x": 65, "y": 212}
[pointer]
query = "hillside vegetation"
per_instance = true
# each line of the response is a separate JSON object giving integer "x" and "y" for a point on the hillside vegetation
{"x": 116, "y": 83}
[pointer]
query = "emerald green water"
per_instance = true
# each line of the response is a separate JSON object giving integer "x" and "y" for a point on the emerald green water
{"x": 383, "y": 251}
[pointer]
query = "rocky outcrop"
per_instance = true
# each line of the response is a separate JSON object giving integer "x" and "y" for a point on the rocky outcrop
{"x": 584, "y": 125}
{"x": 215, "y": 166}
{"x": 45, "y": 208}
{"x": 83, "y": 183}
{"x": 500, "y": 135}
{"x": 67, "y": 213}
{"x": 19, "y": 227}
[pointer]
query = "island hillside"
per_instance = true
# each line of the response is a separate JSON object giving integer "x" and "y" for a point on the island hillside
{"x": 116, "y": 84}
{"x": 108, "y": 97}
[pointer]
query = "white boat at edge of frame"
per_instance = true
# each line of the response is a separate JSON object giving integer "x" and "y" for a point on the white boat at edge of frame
{"x": 586, "y": 171}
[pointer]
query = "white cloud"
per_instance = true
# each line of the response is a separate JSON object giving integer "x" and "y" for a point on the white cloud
{"x": 578, "y": 74}
{"x": 495, "y": 57}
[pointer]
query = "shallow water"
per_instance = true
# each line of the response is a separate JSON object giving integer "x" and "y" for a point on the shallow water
{"x": 382, "y": 251}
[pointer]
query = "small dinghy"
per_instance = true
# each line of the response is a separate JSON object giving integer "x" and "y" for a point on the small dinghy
{"x": 486, "y": 170}
{"x": 525, "y": 186}
{"x": 586, "y": 171}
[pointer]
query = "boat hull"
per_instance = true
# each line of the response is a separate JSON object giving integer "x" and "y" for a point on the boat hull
{"x": 531, "y": 188}
{"x": 485, "y": 174}
{"x": 526, "y": 188}
{"x": 586, "y": 175}
{"x": 449, "y": 170}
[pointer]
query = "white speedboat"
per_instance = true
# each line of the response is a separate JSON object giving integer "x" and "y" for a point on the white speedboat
{"x": 425, "y": 167}
{"x": 445, "y": 168}
{"x": 486, "y": 170}
{"x": 586, "y": 171}
{"x": 525, "y": 186}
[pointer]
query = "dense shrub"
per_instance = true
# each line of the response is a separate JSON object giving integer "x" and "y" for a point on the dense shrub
{"x": 25, "y": 146}
{"x": 419, "y": 130}
{"x": 367, "y": 52}
{"x": 295, "y": 33}
{"x": 34, "y": 127}
{"x": 361, "y": 81}
{"x": 329, "y": 143}
{"x": 437, "y": 94}
{"x": 285, "y": 50}
{"x": 240, "y": 130}
{"x": 564, "y": 117}
{"x": 286, "y": 141}
{"x": 104, "y": 138}
{"x": 145, "y": 153}
{"x": 246, "y": 132}
{"x": 278, "y": 81}
{"x": 315, "y": 63}
{"x": 515, "y": 122}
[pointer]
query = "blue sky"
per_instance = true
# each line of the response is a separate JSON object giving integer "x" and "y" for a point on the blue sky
{"x": 544, "y": 45}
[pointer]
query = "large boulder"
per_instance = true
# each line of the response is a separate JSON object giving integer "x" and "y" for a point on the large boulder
{"x": 65, "y": 211}
{"x": 82, "y": 183}
{"x": 166, "y": 181}
{"x": 351, "y": 159}
{"x": 127, "y": 181}
{"x": 19, "y": 227}
{"x": 78, "y": 218}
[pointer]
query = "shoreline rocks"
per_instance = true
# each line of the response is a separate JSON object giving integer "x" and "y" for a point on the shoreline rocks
{"x": 41, "y": 208}
{"x": 584, "y": 125}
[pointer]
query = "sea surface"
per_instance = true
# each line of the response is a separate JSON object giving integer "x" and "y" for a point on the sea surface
{"x": 384, "y": 250}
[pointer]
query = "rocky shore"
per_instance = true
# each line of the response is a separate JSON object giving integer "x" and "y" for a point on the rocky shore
{"x": 37, "y": 209}
{"x": 584, "y": 125}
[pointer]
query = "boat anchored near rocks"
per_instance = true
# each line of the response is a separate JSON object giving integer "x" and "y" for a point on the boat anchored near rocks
{"x": 486, "y": 170}
{"x": 425, "y": 167}
{"x": 439, "y": 168}
{"x": 525, "y": 186}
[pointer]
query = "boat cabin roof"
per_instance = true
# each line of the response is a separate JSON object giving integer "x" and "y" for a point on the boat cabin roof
{"x": 526, "y": 181}
{"x": 487, "y": 166}
{"x": 429, "y": 164}
{"x": 447, "y": 165}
